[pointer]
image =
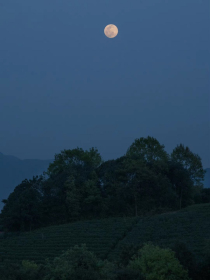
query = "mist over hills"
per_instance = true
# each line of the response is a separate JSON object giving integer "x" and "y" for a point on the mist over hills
{"x": 14, "y": 170}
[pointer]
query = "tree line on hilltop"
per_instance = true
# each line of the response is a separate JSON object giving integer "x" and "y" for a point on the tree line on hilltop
{"x": 79, "y": 185}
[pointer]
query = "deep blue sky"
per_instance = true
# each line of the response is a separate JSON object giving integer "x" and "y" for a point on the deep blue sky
{"x": 64, "y": 84}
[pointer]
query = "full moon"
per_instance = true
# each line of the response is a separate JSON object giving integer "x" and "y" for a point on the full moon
{"x": 111, "y": 30}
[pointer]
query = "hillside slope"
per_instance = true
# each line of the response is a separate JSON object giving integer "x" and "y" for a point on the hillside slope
{"x": 190, "y": 225}
{"x": 99, "y": 235}
{"x": 106, "y": 236}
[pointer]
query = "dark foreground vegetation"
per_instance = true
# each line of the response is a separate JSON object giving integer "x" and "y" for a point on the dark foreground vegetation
{"x": 116, "y": 210}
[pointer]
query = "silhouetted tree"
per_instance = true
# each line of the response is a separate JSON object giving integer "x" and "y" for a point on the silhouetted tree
{"x": 181, "y": 183}
{"x": 80, "y": 185}
{"x": 192, "y": 163}
{"x": 21, "y": 209}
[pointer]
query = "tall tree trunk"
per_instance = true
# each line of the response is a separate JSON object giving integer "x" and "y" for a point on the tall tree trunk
{"x": 135, "y": 205}
{"x": 180, "y": 200}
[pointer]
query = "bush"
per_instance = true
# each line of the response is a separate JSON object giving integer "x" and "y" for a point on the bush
{"x": 79, "y": 263}
{"x": 128, "y": 274}
{"x": 127, "y": 252}
{"x": 203, "y": 272}
{"x": 186, "y": 258}
{"x": 29, "y": 270}
{"x": 10, "y": 271}
{"x": 158, "y": 264}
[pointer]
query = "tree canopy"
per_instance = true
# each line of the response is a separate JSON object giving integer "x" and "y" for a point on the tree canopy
{"x": 80, "y": 185}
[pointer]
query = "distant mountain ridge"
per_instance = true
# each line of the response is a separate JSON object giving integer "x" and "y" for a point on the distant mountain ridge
{"x": 14, "y": 170}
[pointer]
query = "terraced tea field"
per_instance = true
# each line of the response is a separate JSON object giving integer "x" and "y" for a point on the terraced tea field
{"x": 100, "y": 236}
{"x": 190, "y": 225}
{"x": 105, "y": 237}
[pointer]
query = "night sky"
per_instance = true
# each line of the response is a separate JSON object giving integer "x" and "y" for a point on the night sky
{"x": 64, "y": 84}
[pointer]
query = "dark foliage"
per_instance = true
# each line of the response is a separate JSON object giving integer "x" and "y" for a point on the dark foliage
{"x": 128, "y": 274}
{"x": 127, "y": 252}
{"x": 82, "y": 186}
{"x": 186, "y": 257}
